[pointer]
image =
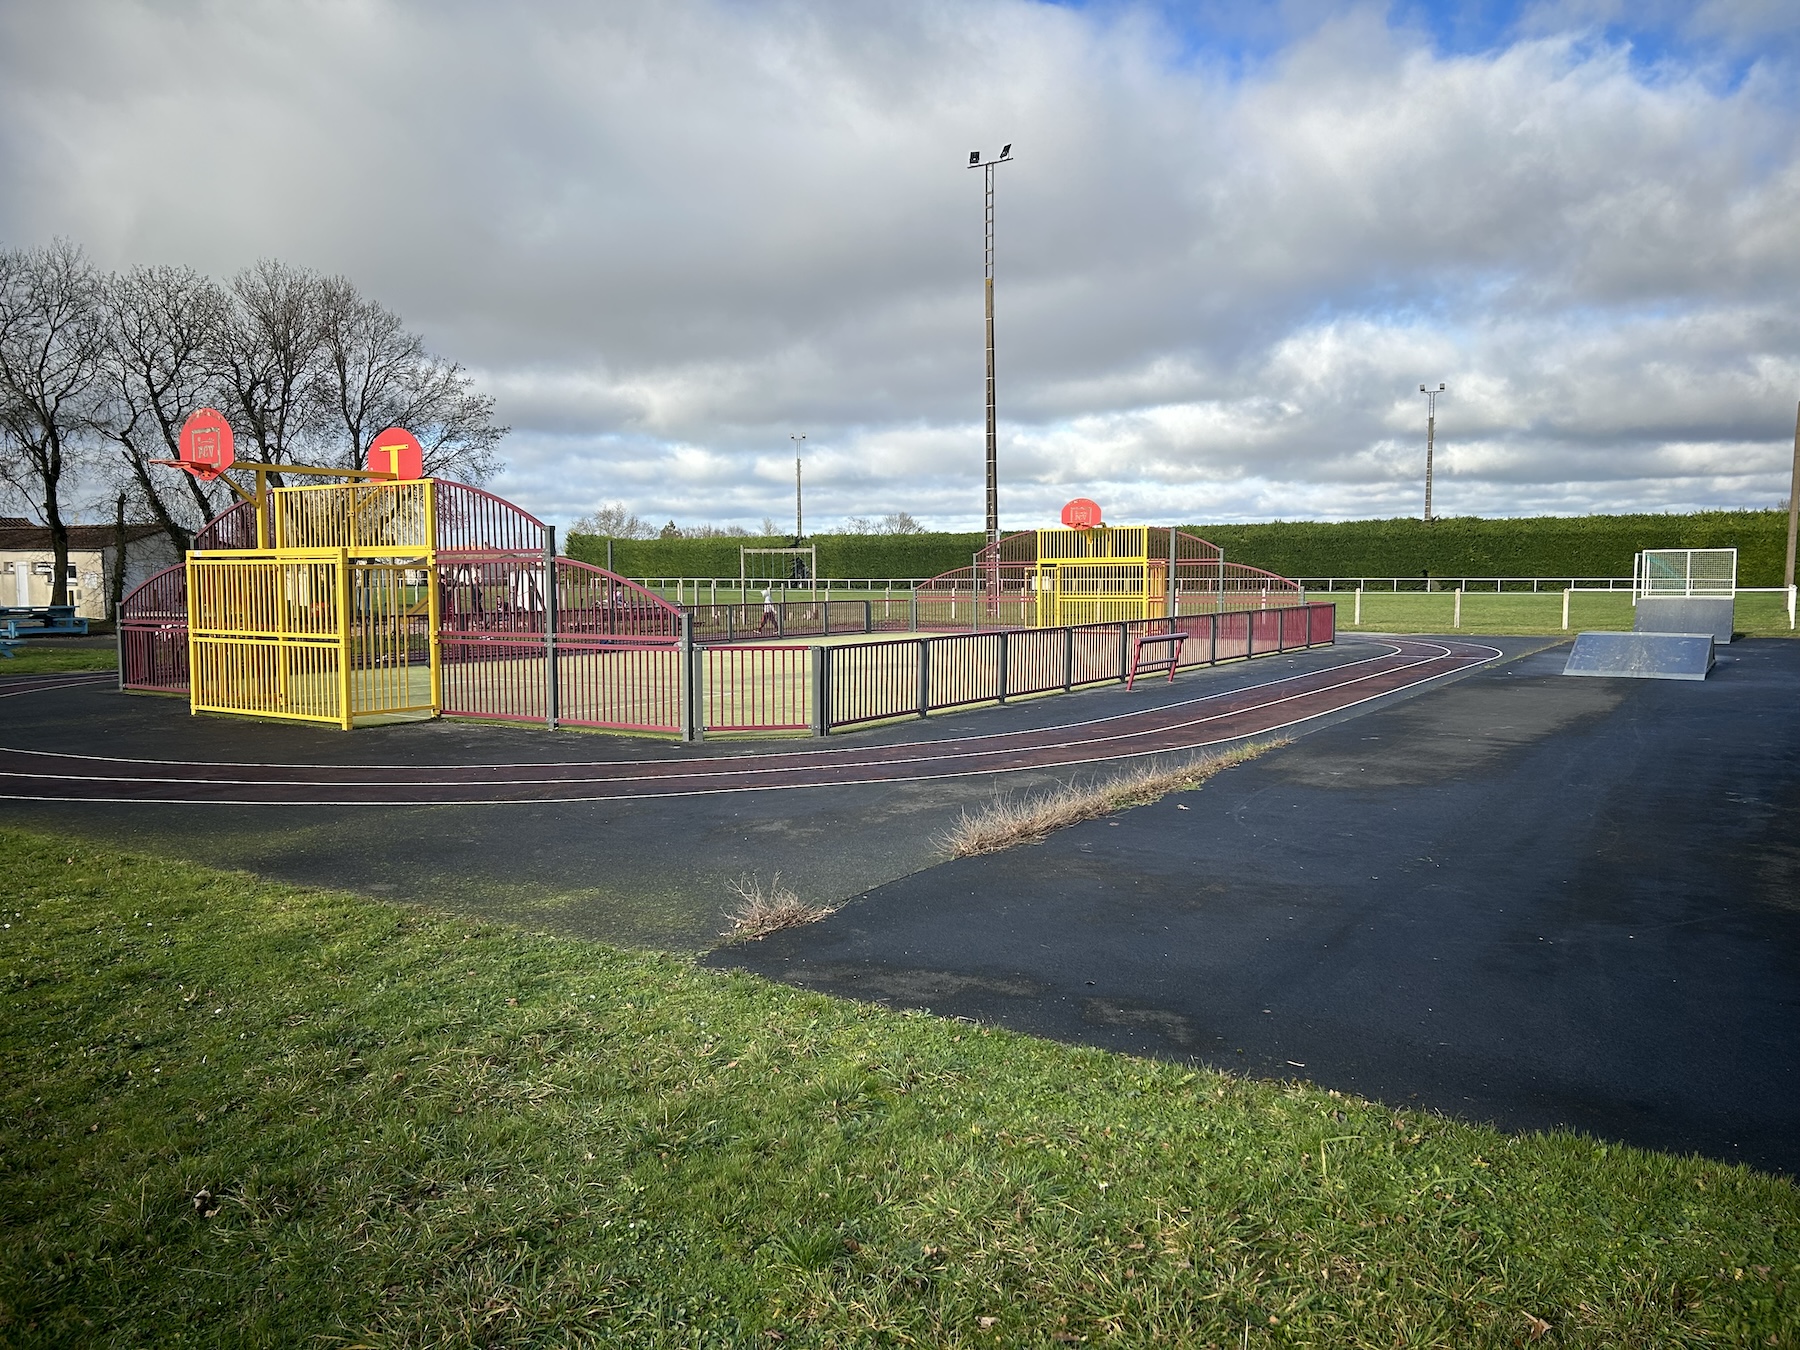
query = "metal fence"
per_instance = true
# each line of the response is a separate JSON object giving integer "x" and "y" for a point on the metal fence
{"x": 912, "y": 677}
{"x": 1447, "y": 584}
{"x": 152, "y": 634}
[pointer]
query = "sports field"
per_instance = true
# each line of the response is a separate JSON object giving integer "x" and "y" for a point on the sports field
{"x": 1759, "y": 614}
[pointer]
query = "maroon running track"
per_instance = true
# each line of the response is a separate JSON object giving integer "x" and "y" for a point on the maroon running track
{"x": 1191, "y": 724}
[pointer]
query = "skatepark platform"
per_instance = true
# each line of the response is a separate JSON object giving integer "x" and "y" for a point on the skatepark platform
{"x": 1642, "y": 656}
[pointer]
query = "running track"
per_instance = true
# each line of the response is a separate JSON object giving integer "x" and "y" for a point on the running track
{"x": 1186, "y": 725}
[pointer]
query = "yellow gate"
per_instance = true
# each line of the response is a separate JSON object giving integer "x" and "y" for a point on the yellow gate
{"x": 338, "y": 621}
{"x": 1100, "y": 575}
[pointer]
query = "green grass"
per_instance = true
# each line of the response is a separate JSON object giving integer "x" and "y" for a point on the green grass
{"x": 241, "y": 1113}
{"x": 1512, "y": 612}
{"x": 50, "y": 660}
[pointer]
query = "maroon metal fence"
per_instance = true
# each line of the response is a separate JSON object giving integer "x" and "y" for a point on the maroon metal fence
{"x": 791, "y": 619}
{"x": 153, "y": 634}
{"x": 235, "y": 527}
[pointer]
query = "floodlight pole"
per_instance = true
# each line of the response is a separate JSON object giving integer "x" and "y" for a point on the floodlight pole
{"x": 987, "y": 271}
{"x": 1430, "y": 439}
{"x": 1793, "y": 509}
{"x": 799, "y": 534}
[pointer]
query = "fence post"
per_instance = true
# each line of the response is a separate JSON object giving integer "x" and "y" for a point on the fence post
{"x": 912, "y": 612}
{"x": 1124, "y": 648}
{"x": 1456, "y": 619}
{"x": 780, "y": 619}
{"x": 346, "y": 717}
{"x": 1005, "y": 648}
{"x": 1068, "y": 659}
{"x": 1566, "y": 591}
{"x": 552, "y": 685}
{"x": 1357, "y": 622}
{"x": 1173, "y": 599}
{"x": 821, "y": 686}
{"x": 690, "y": 714}
{"x": 1212, "y": 633}
{"x": 1309, "y": 619}
{"x": 924, "y": 645}
{"x": 868, "y": 616}
{"x": 1249, "y": 633}
{"x": 119, "y": 637}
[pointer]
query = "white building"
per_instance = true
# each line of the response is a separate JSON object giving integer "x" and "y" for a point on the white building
{"x": 27, "y": 566}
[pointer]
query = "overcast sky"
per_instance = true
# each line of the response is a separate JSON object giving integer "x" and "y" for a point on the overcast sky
{"x": 1234, "y": 241}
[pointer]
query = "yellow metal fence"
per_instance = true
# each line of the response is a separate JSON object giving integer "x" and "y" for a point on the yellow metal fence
{"x": 311, "y": 635}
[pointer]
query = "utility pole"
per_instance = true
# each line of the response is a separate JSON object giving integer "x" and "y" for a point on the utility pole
{"x": 799, "y": 533}
{"x": 1430, "y": 439}
{"x": 993, "y": 457}
{"x": 1794, "y": 502}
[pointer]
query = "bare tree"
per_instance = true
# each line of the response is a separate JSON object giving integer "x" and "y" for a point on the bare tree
{"x": 52, "y": 346}
{"x": 163, "y": 325}
{"x": 269, "y": 362}
{"x": 614, "y": 521}
{"x": 376, "y": 374}
{"x": 454, "y": 423}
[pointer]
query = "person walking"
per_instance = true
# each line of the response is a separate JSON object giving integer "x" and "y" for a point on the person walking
{"x": 769, "y": 615}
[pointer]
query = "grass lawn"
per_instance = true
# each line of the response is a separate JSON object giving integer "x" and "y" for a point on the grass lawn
{"x": 238, "y": 1112}
{"x": 50, "y": 660}
{"x": 1523, "y": 613}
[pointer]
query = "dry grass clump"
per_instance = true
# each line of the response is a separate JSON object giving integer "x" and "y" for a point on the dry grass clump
{"x": 760, "y": 912}
{"x": 1010, "y": 821}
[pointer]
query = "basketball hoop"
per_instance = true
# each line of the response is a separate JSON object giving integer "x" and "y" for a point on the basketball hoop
{"x": 205, "y": 446}
{"x": 1081, "y": 514}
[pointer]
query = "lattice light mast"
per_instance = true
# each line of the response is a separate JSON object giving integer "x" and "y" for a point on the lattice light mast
{"x": 1430, "y": 439}
{"x": 799, "y": 533}
{"x": 993, "y": 472}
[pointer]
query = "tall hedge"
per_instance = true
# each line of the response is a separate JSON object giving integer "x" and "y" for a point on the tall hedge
{"x": 1541, "y": 546}
{"x": 840, "y": 555}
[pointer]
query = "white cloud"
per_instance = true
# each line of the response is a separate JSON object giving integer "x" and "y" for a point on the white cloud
{"x": 668, "y": 236}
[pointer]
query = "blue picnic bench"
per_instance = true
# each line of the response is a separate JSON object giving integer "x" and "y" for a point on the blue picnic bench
{"x": 18, "y": 622}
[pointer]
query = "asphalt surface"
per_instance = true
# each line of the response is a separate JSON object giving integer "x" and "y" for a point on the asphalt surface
{"x": 561, "y": 838}
{"x": 1521, "y": 898}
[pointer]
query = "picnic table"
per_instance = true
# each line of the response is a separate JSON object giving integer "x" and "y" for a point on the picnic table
{"x": 18, "y": 622}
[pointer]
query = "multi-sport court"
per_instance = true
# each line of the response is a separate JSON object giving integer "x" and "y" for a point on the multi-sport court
{"x": 1463, "y": 881}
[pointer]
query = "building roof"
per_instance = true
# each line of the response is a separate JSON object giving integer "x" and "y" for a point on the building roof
{"x": 84, "y": 538}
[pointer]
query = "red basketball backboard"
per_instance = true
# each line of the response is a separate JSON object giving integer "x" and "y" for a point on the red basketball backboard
{"x": 397, "y": 451}
{"x": 1081, "y": 514}
{"x": 206, "y": 443}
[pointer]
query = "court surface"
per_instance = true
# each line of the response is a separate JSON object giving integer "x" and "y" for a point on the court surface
{"x": 1523, "y": 898}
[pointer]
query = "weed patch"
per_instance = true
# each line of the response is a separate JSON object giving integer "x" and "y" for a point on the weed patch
{"x": 1010, "y": 821}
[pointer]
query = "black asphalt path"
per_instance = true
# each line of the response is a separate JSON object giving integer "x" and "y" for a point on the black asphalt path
{"x": 570, "y": 845}
{"x": 1521, "y": 898}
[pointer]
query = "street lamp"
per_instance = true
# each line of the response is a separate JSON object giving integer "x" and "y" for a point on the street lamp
{"x": 799, "y": 534}
{"x": 1430, "y": 439}
{"x": 993, "y": 472}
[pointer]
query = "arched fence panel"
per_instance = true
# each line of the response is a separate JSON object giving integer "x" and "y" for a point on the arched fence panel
{"x": 231, "y": 528}
{"x": 153, "y": 634}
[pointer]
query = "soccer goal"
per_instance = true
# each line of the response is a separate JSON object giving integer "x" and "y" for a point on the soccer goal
{"x": 784, "y": 569}
{"x": 1687, "y": 572}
